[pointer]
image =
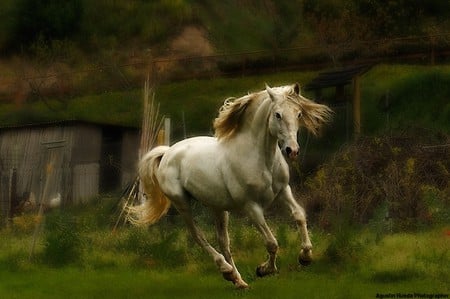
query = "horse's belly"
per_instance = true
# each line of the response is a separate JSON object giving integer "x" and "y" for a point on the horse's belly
{"x": 209, "y": 191}
{"x": 205, "y": 182}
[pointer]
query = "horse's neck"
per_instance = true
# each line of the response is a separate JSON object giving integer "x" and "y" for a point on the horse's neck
{"x": 255, "y": 133}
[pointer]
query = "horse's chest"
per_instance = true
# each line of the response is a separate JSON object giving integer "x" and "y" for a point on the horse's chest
{"x": 261, "y": 185}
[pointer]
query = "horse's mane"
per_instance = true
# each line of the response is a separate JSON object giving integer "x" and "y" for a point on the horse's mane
{"x": 314, "y": 115}
{"x": 231, "y": 113}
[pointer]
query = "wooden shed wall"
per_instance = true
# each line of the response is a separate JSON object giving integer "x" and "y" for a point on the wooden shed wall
{"x": 76, "y": 152}
{"x": 36, "y": 154}
{"x": 85, "y": 162}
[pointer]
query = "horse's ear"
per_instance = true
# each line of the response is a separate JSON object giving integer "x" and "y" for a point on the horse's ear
{"x": 270, "y": 92}
{"x": 296, "y": 88}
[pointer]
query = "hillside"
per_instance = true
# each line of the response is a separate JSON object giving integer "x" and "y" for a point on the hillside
{"x": 80, "y": 47}
{"x": 235, "y": 25}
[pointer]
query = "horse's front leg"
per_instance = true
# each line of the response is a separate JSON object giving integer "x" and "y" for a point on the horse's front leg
{"x": 256, "y": 214}
{"x": 299, "y": 215}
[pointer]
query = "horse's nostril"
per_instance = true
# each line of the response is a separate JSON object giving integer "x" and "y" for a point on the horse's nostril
{"x": 288, "y": 150}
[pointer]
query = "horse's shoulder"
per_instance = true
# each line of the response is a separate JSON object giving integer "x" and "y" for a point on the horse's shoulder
{"x": 280, "y": 172}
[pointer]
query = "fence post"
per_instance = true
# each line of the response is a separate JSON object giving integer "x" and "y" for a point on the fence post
{"x": 356, "y": 107}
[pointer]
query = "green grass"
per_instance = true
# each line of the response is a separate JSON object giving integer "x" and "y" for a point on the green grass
{"x": 418, "y": 96}
{"x": 163, "y": 262}
{"x": 76, "y": 283}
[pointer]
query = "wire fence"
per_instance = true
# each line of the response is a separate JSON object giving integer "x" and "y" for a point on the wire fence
{"x": 60, "y": 82}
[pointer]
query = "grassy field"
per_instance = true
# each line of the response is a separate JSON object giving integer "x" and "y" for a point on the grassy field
{"x": 79, "y": 257}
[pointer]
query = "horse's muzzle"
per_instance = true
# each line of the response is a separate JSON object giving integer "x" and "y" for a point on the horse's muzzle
{"x": 291, "y": 152}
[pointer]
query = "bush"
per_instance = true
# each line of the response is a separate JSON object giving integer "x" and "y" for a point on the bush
{"x": 411, "y": 180}
{"x": 45, "y": 19}
{"x": 345, "y": 247}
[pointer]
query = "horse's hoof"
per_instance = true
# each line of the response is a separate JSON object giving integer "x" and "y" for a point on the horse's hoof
{"x": 304, "y": 262}
{"x": 240, "y": 284}
{"x": 259, "y": 271}
{"x": 305, "y": 257}
{"x": 228, "y": 276}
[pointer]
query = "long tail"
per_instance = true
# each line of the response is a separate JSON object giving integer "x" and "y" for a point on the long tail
{"x": 157, "y": 204}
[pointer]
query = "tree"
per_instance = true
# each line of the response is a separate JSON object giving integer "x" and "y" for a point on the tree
{"x": 336, "y": 26}
{"x": 45, "y": 19}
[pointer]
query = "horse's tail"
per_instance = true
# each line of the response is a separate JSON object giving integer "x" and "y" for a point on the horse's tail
{"x": 157, "y": 204}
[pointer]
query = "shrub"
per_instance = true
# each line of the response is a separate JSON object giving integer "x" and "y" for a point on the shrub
{"x": 25, "y": 223}
{"x": 45, "y": 19}
{"x": 344, "y": 248}
{"x": 411, "y": 180}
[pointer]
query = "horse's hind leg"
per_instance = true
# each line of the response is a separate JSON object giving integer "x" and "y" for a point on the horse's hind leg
{"x": 224, "y": 266}
{"x": 223, "y": 238}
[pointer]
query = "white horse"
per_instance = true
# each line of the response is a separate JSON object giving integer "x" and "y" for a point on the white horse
{"x": 242, "y": 168}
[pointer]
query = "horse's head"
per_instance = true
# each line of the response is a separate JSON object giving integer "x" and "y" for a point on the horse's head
{"x": 290, "y": 111}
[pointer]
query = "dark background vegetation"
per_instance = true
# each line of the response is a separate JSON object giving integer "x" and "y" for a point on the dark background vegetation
{"x": 96, "y": 26}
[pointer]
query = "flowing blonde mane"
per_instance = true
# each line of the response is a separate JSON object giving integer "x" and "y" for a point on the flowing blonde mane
{"x": 231, "y": 113}
{"x": 314, "y": 115}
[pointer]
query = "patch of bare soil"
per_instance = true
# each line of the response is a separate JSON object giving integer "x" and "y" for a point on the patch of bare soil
{"x": 192, "y": 41}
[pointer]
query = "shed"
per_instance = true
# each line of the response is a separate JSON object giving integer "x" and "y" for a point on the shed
{"x": 73, "y": 160}
{"x": 338, "y": 78}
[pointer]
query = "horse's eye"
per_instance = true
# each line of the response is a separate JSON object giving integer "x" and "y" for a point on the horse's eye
{"x": 300, "y": 114}
{"x": 277, "y": 115}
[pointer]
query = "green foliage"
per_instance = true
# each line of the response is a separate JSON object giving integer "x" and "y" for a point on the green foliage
{"x": 7, "y": 23}
{"x": 344, "y": 248}
{"x": 232, "y": 25}
{"x": 402, "y": 17}
{"x": 76, "y": 21}
{"x": 384, "y": 18}
{"x": 253, "y": 25}
{"x": 45, "y": 19}
{"x": 150, "y": 22}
